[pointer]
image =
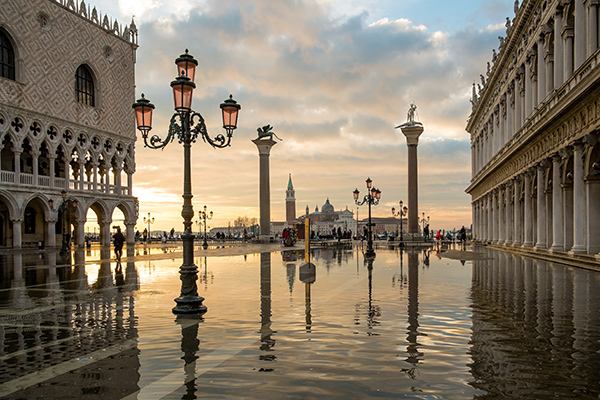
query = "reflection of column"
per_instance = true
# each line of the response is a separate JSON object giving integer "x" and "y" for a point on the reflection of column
{"x": 264, "y": 150}
{"x": 18, "y": 293}
{"x": 413, "y": 309}
{"x": 266, "y": 342}
{"x": 131, "y": 276}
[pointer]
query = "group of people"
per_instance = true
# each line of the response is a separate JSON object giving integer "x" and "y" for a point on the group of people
{"x": 289, "y": 237}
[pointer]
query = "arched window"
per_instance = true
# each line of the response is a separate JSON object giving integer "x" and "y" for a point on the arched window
{"x": 84, "y": 86}
{"x": 7, "y": 57}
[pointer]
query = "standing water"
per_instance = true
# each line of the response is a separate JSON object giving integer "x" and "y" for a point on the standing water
{"x": 411, "y": 324}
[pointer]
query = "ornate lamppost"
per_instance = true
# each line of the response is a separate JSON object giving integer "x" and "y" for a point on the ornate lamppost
{"x": 371, "y": 198}
{"x": 186, "y": 125}
{"x": 401, "y": 213}
{"x": 423, "y": 221}
{"x": 203, "y": 217}
{"x": 66, "y": 207}
{"x": 149, "y": 220}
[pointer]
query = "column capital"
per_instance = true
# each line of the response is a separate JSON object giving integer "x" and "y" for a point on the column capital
{"x": 590, "y": 139}
{"x": 264, "y": 145}
{"x": 566, "y": 152}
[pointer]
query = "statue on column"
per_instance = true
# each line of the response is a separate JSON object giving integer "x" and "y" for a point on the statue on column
{"x": 267, "y": 132}
{"x": 411, "y": 113}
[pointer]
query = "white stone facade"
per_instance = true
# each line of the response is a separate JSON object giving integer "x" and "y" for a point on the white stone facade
{"x": 534, "y": 132}
{"x": 52, "y": 140}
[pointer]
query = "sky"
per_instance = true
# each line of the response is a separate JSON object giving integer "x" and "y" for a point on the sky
{"x": 333, "y": 77}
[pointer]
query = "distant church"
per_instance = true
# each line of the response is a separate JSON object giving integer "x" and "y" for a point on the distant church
{"x": 321, "y": 221}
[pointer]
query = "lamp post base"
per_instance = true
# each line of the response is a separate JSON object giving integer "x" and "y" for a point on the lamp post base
{"x": 189, "y": 305}
{"x": 188, "y": 301}
{"x": 370, "y": 254}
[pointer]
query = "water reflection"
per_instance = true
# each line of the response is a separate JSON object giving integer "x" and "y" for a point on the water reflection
{"x": 412, "y": 348}
{"x": 266, "y": 340}
{"x": 190, "y": 345}
{"x": 52, "y": 317}
{"x": 535, "y": 328}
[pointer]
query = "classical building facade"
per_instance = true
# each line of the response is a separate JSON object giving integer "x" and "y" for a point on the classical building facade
{"x": 67, "y": 82}
{"x": 534, "y": 131}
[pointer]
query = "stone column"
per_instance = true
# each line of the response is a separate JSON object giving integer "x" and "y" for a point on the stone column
{"x": 17, "y": 154}
{"x": 541, "y": 207}
{"x": 528, "y": 211}
{"x": 117, "y": 172}
{"x": 412, "y": 130}
{"x": 67, "y": 173}
{"x": 502, "y": 121}
{"x": 495, "y": 195}
{"x": 518, "y": 234}
{"x": 80, "y": 232}
{"x": 541, "y": 68}
{"x": 264, "y": 150}
{"x": 580, "y": 34}
{"x": 95, "y": 176}
{"x": 592, "y": 27}
{"x": 528, "y": 85}
{"x": 105, "y": 232}
{"x": 510, "y": 106}
{"x": 17, "y": 224}
{"x": 549, "y": 58}
{"x": 82, "y": 174}
{"x": 567, "y": 34}
{"x": 130, "y": 183}
{"x": 579, "y": 210}
{"x": 557, "y": 206}
{"x": 508, "y": 237}
{"x": 35, "y": 154}
{"x": 52, "y": 161}
{"x": 490, "y": 208}
{"x": 130, "y": 233}
{"x": 558, "y": 48}
{"x": 51, "y": 230}
{"x": 501, "y": 214}
{"x": 517, "y": 121}
{"x": 494, "y": 120}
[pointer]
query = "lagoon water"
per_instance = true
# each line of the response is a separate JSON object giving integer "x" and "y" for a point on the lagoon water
{"x": 413, "y": 326}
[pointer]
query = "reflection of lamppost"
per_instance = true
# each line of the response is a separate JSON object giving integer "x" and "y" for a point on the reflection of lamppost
{"x": 149, "y": 220}
{"x": 203, "y": 217}
{"x": 401, "y": 213}
{"x": 186, "y": 125}
{"x": 371, "y": 198}
{"x": 66, "y": 207}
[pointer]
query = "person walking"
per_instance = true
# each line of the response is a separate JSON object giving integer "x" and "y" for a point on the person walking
{"x": 438, "y": 237}
{"x": 463, "y": 236}
{"x": 118, "y": 240}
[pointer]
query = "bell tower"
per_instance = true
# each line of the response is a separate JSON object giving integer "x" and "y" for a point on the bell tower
{"x": 290, "y": 203}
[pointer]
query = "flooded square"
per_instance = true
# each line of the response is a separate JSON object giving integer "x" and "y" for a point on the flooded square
{"x": 415, "y": 324}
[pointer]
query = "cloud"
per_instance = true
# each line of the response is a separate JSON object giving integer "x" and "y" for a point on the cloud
{"x": 333, "y": 84}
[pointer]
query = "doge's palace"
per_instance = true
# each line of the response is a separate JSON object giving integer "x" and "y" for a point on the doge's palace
{"x": 67, "y": 82}
{"x": 534, "y": 127}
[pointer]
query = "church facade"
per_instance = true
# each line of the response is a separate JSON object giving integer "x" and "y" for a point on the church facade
{"x": 534, "y": 132}
{"x": 67, "y": 82}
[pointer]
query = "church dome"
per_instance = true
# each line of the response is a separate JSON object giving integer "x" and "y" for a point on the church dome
{"x": 327, "y": 207}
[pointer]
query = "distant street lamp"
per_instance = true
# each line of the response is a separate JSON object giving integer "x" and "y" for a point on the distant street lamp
{"x": 149, "y": 220}
{"x": 186, "y": 125}
{"x": 203, "y": 217}
{"x": 371, "y": 198}
{"x": 66, "y": 207}
{"x": 401, "y": 213}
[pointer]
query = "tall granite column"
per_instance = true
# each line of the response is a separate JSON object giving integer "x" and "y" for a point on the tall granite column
{"x": 412, "y": 129}
{"x": 264, "y": 150}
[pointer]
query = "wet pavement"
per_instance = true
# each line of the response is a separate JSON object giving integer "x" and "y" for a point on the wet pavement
{"x": 478, "y": 324}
